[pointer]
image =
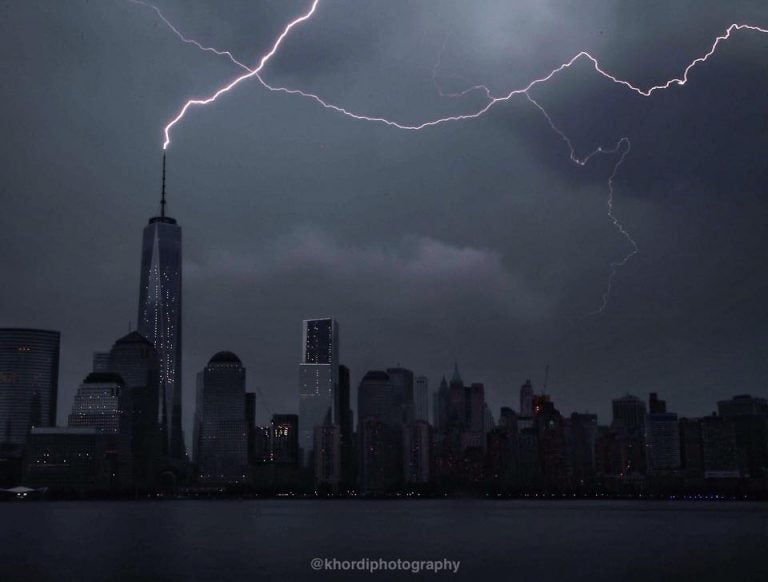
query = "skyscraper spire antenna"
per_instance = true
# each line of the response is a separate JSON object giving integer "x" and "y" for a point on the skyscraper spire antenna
{"x": 162, "y": 198}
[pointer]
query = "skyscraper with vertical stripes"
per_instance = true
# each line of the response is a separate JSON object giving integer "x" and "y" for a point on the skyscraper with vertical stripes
{"x": 160, "y": 316}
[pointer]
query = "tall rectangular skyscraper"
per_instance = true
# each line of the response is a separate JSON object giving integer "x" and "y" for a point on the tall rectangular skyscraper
{"x": 160, "y": 316}
{"x": 221, "y": 427}
{"x": 29, "y": 379}
{"x": 135, "y": 360}
{"x": 421, "y": 398}
{"x": 318, "y": 378}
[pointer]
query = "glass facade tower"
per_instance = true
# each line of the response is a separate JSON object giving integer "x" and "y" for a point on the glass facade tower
{"x": 160, "y": 319}
{"x": 29, "y": 377}
{"x": 318, "y": 378}
{"x": 221, "y": 428}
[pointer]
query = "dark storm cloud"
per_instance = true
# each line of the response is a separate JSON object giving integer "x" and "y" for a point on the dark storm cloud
{"x": 477, "y": 241}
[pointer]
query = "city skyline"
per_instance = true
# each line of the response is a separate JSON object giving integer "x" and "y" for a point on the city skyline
{"x": 115, "y": 442}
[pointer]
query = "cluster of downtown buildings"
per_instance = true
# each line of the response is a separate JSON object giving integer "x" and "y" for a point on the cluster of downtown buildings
{"x": 124, "y": 432}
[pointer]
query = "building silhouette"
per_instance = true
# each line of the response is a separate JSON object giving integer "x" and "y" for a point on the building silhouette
{"x": 475, "y": 410}
{"x": 327, "y": 457}
{"x": 159, "y": 319}
{"x": 457, "y": 402}
{"x": 403, "y": 379}
{"x": 380, "y": 426}
{"x": 421, "y": 398}
{"x": 581, "y": 437}
{"x": 628, "y": 426}
{"x": 655, "y": 404}
{"x": 691, "y": 448}
{"x": 417, "y": 453}
{"x": 526, "y": 399}
{"x": 719, "y": 448}
{"x": 345, "y": 422}
{"x": 29, "y": 379}
{"x": 380, "y": 398}
{"x": 749, "y": 417}
{"x": 284, "y": 439}
{"x": 221, "y": 429}
{"x": 135, "y": 360}
{"x": 662, "y": 436}
{"x": 69, "y": 460}
{"x": 440, "y": 406}
{"x": 550, "y": 433}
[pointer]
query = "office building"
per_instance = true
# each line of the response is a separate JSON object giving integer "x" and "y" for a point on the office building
{"x": 662, "y": 441}
{"x": 159, "y": 319}
{"x": 327, "y": 457}
{"x": 134, "y": 359}
{"x": 284, "y": 439}
{"x": 417, "y": 452}
{"x": 69, "y": 460}
{"x": 29, "y": 376}
{"x": 380, "y": 398}
{"x": 403, "y": 378}
{"x": 629, "y": 426}
{"x": 318, "y": 378}
{"x": 102, "y": 403}
{"x": 221, "y": 430}
{"x": 749, "y": 417}
{"x": 421, "y": 398}
{"x": 719, "y": 448}
{"x": 526, "y": 399}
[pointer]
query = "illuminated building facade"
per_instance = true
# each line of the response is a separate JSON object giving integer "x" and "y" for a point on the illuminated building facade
{"x": 98, "y": 403}
{"x": 103, "y": 404}
{"x": 318, "y": 379}
{"x": 160, "y": 317}
{"x": 284, "y": 439}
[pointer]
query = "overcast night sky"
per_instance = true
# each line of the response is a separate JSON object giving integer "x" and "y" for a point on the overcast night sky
{"x": 477, "y": 241}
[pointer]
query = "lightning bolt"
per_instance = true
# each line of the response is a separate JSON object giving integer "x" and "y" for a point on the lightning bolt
{"x": 621, "y": 148}
{"x": 251, "y": 72}
{"x": 255, "y": 72}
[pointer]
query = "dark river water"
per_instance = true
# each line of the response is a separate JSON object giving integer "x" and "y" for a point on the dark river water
{"x": 276, "y": 540}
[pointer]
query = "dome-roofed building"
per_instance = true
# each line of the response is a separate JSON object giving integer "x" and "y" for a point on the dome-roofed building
{"x": 225, "y": 357}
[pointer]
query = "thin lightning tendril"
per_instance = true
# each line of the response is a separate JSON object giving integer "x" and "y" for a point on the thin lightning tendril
{"x": 621, "y": 148}
{"x": 467, "y": 91}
